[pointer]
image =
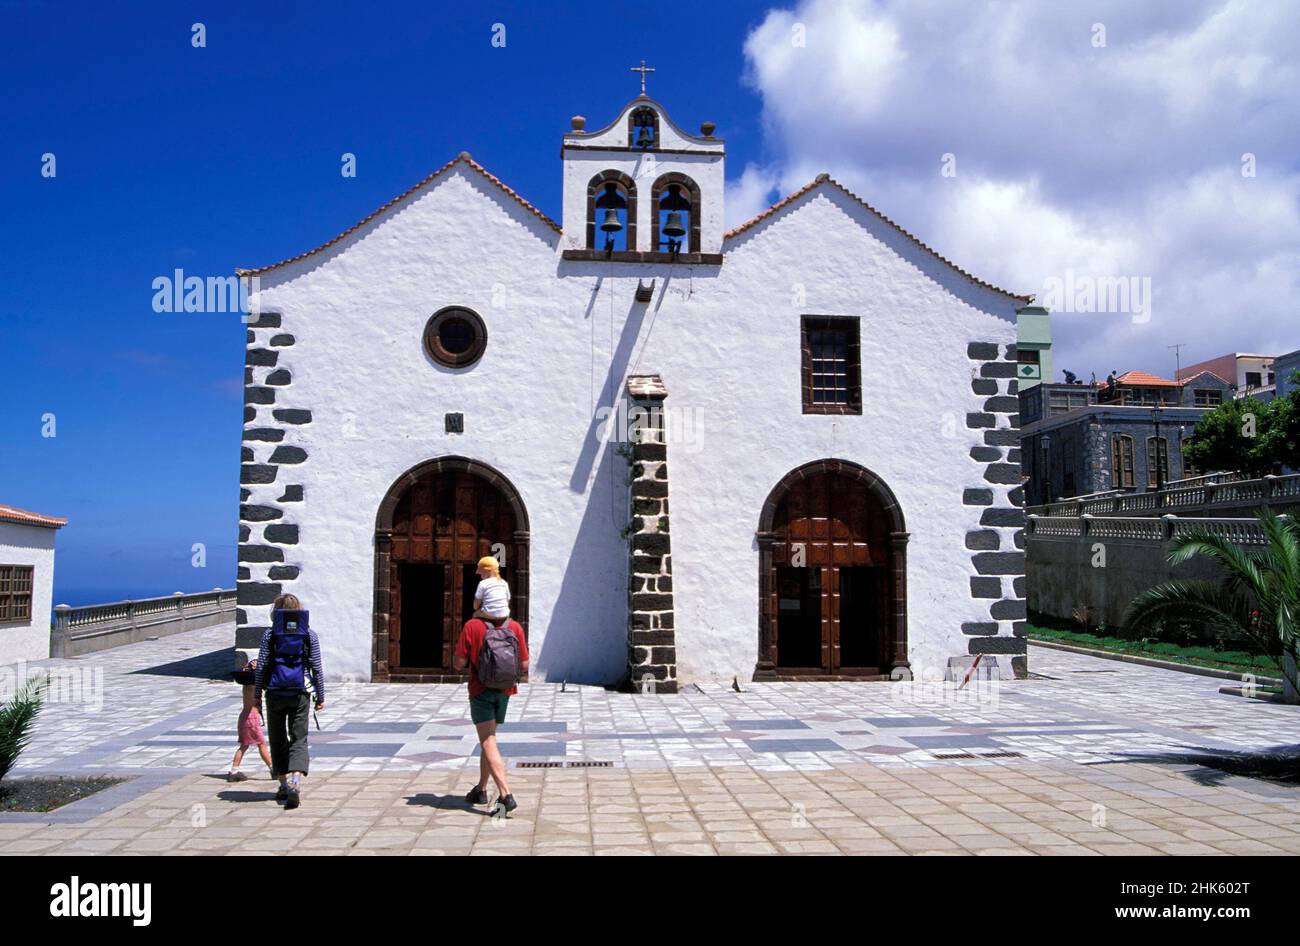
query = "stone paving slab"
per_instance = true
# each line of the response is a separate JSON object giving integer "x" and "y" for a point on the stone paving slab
{"x": 1010, "y": 807}
{"x": 873, "y": 768}
{"x": 168, "y": 704}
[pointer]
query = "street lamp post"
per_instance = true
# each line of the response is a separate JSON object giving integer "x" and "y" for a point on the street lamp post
{"x": 1047, "y": 472}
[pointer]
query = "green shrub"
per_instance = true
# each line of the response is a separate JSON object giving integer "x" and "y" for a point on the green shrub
{"x": 1257, "y": 600}
{"x": 16, "y": 719}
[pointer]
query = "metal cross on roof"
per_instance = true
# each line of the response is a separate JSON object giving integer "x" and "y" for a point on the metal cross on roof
{"x": 643, "y": 69}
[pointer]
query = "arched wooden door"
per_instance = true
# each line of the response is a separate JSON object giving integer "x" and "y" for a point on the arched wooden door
{"x": 833, "y": 577}
{"x": 435, "y": 524}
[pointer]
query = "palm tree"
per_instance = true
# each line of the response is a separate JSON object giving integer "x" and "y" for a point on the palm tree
{"x": 16, "y": 718}
{"x": 1258, "y": 597}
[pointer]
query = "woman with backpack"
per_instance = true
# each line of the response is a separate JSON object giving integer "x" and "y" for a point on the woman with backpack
{"x": 288, "y": 669}
{"x": 497, "y": 657}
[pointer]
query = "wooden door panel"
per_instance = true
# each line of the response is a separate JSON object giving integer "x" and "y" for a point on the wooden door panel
{"x": 395, "y": 616}
{"x": 842, "y": 527}
{"x": 449, "y": 626}
{"x": 830, "y": 617}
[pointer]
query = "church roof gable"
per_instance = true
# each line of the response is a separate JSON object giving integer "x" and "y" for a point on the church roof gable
{"x": 462, "y": 158}
{"x": 826, "y": 180}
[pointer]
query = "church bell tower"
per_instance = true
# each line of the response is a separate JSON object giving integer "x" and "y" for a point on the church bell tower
{"x": 641, "y": 190}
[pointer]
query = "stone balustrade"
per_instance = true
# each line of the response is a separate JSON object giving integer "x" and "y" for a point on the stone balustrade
{"x": 94, "y": 627}
{"x": 1195, "y": 496}
{"x": 1140, "y": 528}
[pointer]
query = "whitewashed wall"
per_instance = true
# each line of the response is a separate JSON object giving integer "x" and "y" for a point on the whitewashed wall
{"x": 29, "y": 545}
{"x": 561, "y": 338}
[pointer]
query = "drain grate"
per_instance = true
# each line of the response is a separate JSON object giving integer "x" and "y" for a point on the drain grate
{"x": 583, "y": 764}
{"x": 1001, "y": 755}
{"x": 982, "y": 755}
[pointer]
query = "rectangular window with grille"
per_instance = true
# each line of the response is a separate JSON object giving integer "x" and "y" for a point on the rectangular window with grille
{"x": 1208, "y": 397}
{"x": 15, "y": 593}
{"x": 832, "y": 366}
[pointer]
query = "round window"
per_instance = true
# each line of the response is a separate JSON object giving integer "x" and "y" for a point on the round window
{"x": 455, "y": 337}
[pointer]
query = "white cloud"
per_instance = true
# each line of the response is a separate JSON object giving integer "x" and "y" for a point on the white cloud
{"x": 1115, "y": 160}
{"x": 749, "y": 194}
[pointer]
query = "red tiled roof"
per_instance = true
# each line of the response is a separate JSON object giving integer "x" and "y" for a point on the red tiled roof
{"x": 14, "y": 514}
{"x": 1146, "y": 380}
{"x": 462, "y": 157}
{"x": 827, "y": 179}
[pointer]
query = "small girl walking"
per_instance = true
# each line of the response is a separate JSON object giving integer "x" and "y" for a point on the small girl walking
{"x": 492, "y": 599}
{"x": 250, "y": 727}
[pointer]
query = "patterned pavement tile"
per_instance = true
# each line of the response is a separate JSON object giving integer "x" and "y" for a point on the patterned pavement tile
{"x": 167, "y": 705}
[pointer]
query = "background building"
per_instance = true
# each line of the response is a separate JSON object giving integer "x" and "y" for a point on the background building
{"x": 1078, "y": 439}
{"x": 1250, "y": 375}
{"x": 1283, "y": 365}
{"x": 26, "y": 583}
{"x": 1033, "y": 346}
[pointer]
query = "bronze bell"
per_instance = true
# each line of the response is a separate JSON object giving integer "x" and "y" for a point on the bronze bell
{"x": 611, "y": 223}
{"x": 674, "y": 227}
{"x": 643, "y": 138}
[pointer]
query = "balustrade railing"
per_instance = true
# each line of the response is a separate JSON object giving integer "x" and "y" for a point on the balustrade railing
{"x": 1213, "y": 491}
{"x": 1142, "y": 528}
{"x": 97, "y": 626}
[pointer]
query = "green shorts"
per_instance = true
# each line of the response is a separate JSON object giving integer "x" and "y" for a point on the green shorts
{"x": 489, "y": 705}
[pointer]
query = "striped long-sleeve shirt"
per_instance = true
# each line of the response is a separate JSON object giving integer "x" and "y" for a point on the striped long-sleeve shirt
{"x": 315, "y": 669}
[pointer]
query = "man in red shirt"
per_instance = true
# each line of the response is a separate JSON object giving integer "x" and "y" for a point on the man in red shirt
{"x": 487, "y": 708}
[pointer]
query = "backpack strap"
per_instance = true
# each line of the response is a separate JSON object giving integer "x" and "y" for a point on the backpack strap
{"x": 306, "y": 665}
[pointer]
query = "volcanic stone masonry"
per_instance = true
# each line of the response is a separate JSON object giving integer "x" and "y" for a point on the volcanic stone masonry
{"x": 651, "y": 635}
{"x": 267, "y": 535}
{"x": 997, "y": 547}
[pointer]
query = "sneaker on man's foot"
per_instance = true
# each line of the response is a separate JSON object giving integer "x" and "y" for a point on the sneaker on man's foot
{"x": 477, "y": 796}
{"x": 292, "y": 798}
{"x": 505, "y": 805}
{"x": 282, "y": 792}
{"x": 236, "y": 776}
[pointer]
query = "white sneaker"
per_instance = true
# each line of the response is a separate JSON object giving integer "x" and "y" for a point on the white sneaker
{"x": 236, "y": 777}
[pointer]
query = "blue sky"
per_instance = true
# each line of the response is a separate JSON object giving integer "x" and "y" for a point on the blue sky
{"x": 206, "y": 159}
{"x": 1119, "y": 157}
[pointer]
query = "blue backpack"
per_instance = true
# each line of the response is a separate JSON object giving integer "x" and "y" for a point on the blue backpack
{"x": 290, "y": 650}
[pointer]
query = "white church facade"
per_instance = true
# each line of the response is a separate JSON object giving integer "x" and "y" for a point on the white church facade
{"x": 784, "y": 451}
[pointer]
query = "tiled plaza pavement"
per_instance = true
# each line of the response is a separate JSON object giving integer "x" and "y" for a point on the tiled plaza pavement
{"x": 1092, "y": 757}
